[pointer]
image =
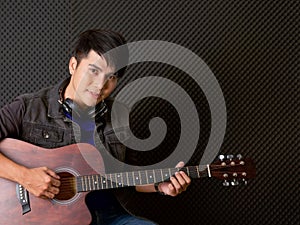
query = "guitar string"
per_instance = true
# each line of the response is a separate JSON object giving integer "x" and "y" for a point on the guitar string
{"x": 69, "y": 182}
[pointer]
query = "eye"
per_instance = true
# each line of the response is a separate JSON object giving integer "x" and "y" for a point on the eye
{"x": 112, "y": 77}
{"x": 94, "y": 71}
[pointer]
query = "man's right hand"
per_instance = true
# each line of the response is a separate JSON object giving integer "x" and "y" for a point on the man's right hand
{"x": 41, "y": 182}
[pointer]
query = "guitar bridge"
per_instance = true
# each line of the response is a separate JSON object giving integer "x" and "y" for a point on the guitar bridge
{"x": 23, "y": 198}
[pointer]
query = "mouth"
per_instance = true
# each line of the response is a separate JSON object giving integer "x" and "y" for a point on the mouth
{"x": 94, "y": 94}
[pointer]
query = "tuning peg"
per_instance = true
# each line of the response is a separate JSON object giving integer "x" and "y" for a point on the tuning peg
{"x": 221, "y": 157}
{"x": 226, "y": 183}
{"x": 245, "y": 181}
{"x": 239, "y": 156}
{"x": 230, "y": 157}
{"x": 234, "y": 182}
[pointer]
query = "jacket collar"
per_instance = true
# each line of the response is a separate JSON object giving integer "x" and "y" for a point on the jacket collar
{"x": 55, "y": 109}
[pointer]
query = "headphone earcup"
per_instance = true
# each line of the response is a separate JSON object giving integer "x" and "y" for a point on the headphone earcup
{"x": 98, "y": 111}
{"x": 68, "y": 105}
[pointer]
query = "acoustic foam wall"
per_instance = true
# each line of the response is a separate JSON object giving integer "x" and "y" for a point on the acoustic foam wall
{"x": 252, "y": 48}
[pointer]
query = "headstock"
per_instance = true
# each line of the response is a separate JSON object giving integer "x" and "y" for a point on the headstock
{"x": 232, "y": 169}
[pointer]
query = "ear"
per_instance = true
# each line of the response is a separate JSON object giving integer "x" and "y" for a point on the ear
{"x": 72, "y": 65}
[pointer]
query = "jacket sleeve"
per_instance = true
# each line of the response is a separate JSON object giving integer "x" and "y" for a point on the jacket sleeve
{"x": 11, "y": 116}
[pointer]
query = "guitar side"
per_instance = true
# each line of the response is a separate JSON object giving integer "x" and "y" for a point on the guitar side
{"x": 70, "y": 210}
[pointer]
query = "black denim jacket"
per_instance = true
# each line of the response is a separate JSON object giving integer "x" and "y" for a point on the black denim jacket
{"x": 38, "y": 118}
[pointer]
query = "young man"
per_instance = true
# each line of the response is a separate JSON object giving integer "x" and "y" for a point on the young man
{"x": 76, "y": 110}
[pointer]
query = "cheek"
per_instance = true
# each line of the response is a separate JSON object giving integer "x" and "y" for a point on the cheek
{"x": 110, "y": 88}
{"x": 82, "y": 82}
{"x": 114, "y": 84}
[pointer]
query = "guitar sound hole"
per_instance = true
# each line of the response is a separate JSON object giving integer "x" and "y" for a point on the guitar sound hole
{"x": 67, "y": 189}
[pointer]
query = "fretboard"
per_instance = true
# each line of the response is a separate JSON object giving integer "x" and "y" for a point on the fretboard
{"x": 126, "y": 179}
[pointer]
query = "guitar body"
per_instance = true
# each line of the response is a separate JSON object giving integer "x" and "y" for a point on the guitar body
{"x": 68, "y": 162}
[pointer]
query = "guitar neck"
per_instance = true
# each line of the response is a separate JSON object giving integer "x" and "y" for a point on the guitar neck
{"x": 127, "y": 179}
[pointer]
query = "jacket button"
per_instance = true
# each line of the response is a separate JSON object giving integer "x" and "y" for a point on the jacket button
{"x": 46, "y": 134}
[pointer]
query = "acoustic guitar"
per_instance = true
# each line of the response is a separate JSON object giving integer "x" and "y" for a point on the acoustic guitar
{"x": 72, "y": 164}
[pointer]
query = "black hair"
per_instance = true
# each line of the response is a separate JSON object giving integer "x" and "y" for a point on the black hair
{"x": 102, "y": 41}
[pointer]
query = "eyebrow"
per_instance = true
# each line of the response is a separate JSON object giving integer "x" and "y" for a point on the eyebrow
{"x": 98, "y": 68}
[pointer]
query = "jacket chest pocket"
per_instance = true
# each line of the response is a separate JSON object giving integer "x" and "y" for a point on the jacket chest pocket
{"x": 43, "y": 135}
{"x": 115, "y": 147}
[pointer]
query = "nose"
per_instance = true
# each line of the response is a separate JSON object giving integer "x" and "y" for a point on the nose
{"x": 100, "y": 82}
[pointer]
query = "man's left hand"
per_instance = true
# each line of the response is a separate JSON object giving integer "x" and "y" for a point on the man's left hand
{"x": 177, "y": 184}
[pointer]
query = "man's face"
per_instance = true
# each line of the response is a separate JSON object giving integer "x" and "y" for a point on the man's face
{"x": 92, "y": 80}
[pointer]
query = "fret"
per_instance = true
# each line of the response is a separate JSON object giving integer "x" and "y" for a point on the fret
{"x": 112, "y": 182}
{"x": 105, "y": 182}
{"x": 133, "y": 178}
{"x": 139, "y": 172}
{"x": 170, "y": 173}
{"x": 119, "y": 182}
{"x": 79, "y": 184}
{"x": 86, "y": 183}
{"x": 93, "y": 183}
{"x": 101, "y": 182}
{"x": 128, "y": 182}
{"x": 136, "y": 178}
{"x": 130, "y": 179}
{"x": 154, "y": 176}
{"x": 144, "y": 177}
{"x": 82, "y": 183}
{"x": 109, "y": 181}
{"x": 116, "y": 180}
{"x": 90, "y": 178}
{"x": 147, "y": 176}
{"x": 151, "y": 178}
{"x": 188, "y": 171}
{"x": 97, "y": 182}
{"x": 158, "y": 175}
{"x": 86, "y": 180}
{"x": 122, "y": 180}
{"x": 191, "y": 171}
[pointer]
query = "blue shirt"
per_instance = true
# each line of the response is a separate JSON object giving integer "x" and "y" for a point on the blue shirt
{"x": 96, "y": 199}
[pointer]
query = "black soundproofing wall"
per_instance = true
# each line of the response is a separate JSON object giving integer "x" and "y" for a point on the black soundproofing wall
{"x": 251, "y": 47}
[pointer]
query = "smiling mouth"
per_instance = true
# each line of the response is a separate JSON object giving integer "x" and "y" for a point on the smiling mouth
{"x": 94, "y": 93}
